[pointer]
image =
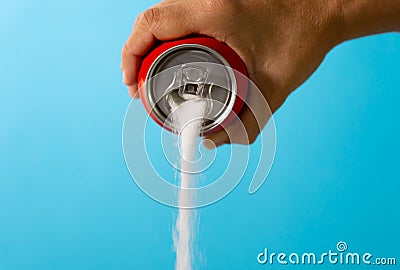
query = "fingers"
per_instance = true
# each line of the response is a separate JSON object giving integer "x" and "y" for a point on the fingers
{"x": 243, "y": 130}
{"x": 158, "y": 23}
{"x": 246, "y": 128}
{"x": 216, "y": 139}
{"x": 130, "y": 66}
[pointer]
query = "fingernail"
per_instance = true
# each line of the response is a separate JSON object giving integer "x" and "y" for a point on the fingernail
{"x": 124, "y": 76}
{"x": 132, "y": 89}
{"x": 209, "y": 144}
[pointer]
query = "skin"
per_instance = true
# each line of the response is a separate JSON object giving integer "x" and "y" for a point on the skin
{"x": 282, "y": 42}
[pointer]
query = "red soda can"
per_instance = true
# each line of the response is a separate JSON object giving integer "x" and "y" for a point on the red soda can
{"x": 195, "y": 67}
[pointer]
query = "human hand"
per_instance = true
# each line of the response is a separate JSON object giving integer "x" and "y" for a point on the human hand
{"x": 282, "y": 42}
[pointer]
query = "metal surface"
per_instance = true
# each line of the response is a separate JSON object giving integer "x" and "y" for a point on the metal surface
{"x": 191, "y": 71}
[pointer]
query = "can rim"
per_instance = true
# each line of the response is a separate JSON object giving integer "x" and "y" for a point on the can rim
{"x": 232, "y": 85}
{"x": 228, "y": 54}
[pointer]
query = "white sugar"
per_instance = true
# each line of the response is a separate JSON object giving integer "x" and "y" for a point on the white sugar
{"x": 187, "y": 120}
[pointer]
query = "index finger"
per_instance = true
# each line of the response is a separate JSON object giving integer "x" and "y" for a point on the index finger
{"x": 157, "y": 23}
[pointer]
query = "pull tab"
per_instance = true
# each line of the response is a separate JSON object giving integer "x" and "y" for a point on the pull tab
{"x": 193, "y": 81}
{"x": 189, "y": 83}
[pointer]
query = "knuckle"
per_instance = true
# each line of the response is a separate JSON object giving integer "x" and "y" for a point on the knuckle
{"x": 125, "y": 50}
{"x": 150, "y": 15}
{"x": 149, "y": 18}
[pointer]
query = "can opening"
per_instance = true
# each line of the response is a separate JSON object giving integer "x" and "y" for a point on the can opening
{"x": 192, "y": 80}
{"x": 189, "y": 72}
{"x": 191, "y": 91}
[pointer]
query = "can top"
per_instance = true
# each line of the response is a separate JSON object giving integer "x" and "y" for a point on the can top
{"x": 189, "y": 71}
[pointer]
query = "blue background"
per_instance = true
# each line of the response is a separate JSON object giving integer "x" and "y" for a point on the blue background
{"x": 67, "y": 200}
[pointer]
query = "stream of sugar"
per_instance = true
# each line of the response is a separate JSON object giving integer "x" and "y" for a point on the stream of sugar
{"x": 187, "y": 119}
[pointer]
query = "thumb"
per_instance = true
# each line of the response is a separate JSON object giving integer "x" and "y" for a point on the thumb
{"x": 157, "y": 23}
